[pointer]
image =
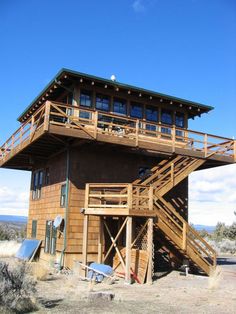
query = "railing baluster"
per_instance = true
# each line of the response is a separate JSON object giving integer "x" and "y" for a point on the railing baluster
{"x": 137, "y": 133}
{"x": 205, "y": 145}
{"x": 95, "y": 119}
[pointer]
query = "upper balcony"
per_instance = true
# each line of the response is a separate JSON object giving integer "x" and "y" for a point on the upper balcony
{"x": 54, "y": 123}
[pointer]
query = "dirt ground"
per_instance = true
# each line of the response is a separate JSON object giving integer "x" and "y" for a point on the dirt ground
{"x": 173, "y": 293}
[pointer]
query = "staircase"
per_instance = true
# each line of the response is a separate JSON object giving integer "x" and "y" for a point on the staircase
{"x": 175, "y": 229}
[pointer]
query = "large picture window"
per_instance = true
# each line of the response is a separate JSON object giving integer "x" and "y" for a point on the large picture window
{"x": 102, "y": 103}
{"x": 179, "y": 122}
{"x": 136, "y": 110}
{"x": 85, "y": 99}
{"x": 37, "y": 184}
{"x": 119, "y": 106}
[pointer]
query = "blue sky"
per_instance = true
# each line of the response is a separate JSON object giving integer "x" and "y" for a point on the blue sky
{"x": 185, "y": 48}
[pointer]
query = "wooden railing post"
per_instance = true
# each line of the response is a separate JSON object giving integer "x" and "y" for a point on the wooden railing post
{"x": 137, "y": 133}
{"x": 21, "y": 132}
{"x": 130, "y": 196}
{"x": 47, "y": 115}
{"x": 172, "y": 175}
{"x": 205, "y": 145}
{"x": 86, "y": 197}
{"x": 184, "y": 236}
{"x": 95, "y": 119}
{"x": 173, "y": 131}
{"x": 150, "y": 200}
{"x": 32, "y": 126}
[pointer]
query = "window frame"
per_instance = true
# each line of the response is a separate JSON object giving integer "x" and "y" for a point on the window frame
{"x": 102, "y": 97}
{"x": 121, "y": 101}
{"x": 88, "y": 93}
{"x": 63, "y": 196}
{"x": 37, "y": 183}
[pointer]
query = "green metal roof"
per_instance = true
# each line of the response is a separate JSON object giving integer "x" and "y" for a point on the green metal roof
{"x": 206, "y": 108}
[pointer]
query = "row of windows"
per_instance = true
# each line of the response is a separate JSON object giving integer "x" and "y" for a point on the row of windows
{"x": 136, "y": 110}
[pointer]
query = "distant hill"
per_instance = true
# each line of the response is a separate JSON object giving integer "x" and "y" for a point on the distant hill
{"x": 209, "y": 229}
{"x": 10, "y": 218}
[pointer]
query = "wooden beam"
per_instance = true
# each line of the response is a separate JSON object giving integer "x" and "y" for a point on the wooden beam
{"x": 150, "y": 249}
{"x": 100, "y": 240}
{"x": 128, "y": 250}
{"x": 85, "y": 240}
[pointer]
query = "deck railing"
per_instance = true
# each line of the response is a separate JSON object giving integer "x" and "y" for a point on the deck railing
{"x": 111, "y": 196}
{"x": 96, "y": 123}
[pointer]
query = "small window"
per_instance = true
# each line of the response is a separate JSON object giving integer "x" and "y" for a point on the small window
{"x": 179, "y": 119}
{"x": 47, "y": 177}
{"x": 119, "y": 106}
{"x": 37, "y": 184}
{"x": 85, "y": 115}
{"x": 151, "y": 114}
{"x": 136, "y": 110}
{"x": 166, "y": 117}
{"x": 50, "y": 238}
{"x": 63, "y": 196}
{"x": 34, "y": 229}
{"x": 144, "y": 172}
{"x": 85, "y": 99}
{"x": 102, "y": 103}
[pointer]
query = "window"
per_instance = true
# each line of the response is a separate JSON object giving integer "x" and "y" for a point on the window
{"x": 47, "y": 176}
{"x": 119, "y": 106}
{"x": 179, "y": 122}
{"x": 37, "y": 184}
{"x": 136, "y": 110}
{"x": 85, "y": 99}
{"x": 50, "y": 238}
{"x": 68, "y": 99}
{"x": 102, "y": 103}
{"x": 144, "y": 172}
{"x": 179, "y": 119}
{"x": 152, "y": 114}
{"x": 63, "y": 196}
{"x": 166, "y": 117}
{"x": 34, "y": 229}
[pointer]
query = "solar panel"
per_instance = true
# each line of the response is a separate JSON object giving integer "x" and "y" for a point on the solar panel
{"x": 28, "y": 248}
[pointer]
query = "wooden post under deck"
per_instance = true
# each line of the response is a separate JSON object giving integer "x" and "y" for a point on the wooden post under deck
{"x": 150, "y": 249}
{"x": 85, "y": 241}
{"x": 100, "y": 240}
{"x": 128, "y": 250}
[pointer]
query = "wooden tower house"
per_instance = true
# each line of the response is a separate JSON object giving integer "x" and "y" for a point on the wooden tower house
{"x": 111, "y": 162}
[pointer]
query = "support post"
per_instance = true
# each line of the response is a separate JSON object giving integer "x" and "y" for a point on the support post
{"x": 150, "y": 249}
{"x": 100, "y": 240}
{"x": 184, "y": 236}
{"x": 46, "y": 116}
{"x": 172, "y": 169}
{"x": 150, "y": 199}
{"x": 173, "y": 138}
{"x": 136, "y": 132}
{"x": 85, "y": 241}
{"x": 95, "y": 118}
{"x": 128, "y": 250}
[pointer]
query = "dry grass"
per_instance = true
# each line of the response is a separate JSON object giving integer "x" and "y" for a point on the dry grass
{"x": 9, "y": 248}
{"x": 40, "y": 271}
{"x": 215, "y": 278}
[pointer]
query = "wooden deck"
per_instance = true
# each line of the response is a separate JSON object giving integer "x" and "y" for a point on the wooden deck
{"x": 63, "y": 121}
{"x": 145, "y": 198}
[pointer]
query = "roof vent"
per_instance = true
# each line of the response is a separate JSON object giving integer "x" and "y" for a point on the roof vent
{"x": 113, "y": 78}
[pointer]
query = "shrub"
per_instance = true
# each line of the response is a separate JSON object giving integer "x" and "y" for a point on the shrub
{"x": 16, "y": 288}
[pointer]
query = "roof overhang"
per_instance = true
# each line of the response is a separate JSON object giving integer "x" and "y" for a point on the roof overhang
{"x": 63, "y": 80}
